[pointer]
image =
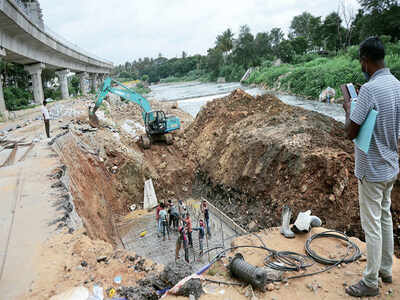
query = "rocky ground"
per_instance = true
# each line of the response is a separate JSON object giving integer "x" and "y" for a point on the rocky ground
{"x": 247, "y": 155}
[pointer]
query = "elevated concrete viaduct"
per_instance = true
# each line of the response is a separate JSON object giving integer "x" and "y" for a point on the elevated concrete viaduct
{"x": 24, "y": 39}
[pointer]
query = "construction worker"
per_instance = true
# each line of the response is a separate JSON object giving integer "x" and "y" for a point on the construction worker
{"x": 182, "y": 239}
{"x": 46, "y": 118}
{"x": 204, "y": 210}
{"x": 181, "y": 208}
{"x": 158, "y": 223}
{"x": 188, "y": 225}
{"x": 201, "y": 231}
{"x": 173, "y": 216}
{"x": 164, "y": 220}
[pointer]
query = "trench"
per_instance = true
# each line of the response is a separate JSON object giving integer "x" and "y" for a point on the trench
{"x": 143, "y": 239}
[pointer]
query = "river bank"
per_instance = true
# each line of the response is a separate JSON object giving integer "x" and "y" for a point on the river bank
{"x": 310, "y": 77}
{"x": 192, "y": 96}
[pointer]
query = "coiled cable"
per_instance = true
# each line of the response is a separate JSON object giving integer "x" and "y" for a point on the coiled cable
{"x": 289, "y": 261}
{"x": 351, "y": 247}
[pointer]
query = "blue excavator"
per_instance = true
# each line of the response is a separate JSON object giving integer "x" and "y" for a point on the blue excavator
{"x": 157, "y": 124}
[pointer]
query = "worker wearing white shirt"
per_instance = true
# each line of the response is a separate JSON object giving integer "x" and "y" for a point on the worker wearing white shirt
{"x": 46, "y": 118}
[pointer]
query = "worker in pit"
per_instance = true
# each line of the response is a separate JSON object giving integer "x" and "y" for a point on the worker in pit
{"x": 201, "y": 231}
{"x": 204, "y": 210}
{"x": 158, "y": 223}
{"x": 188, "y": 228}
{"x": 173, "y": 216}
{"x": 164, "y": 221}
{"x": 182, "y": 240}
{"x": 46, "y": 118}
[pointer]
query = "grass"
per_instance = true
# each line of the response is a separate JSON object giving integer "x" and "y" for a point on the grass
{"x": 310, "y": 78}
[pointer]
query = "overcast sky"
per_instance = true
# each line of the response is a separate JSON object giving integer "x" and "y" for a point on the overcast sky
{"x": 126, "y": 30}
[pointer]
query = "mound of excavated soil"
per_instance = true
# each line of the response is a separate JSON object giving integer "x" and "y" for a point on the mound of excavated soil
{"x": 256, "y": 154}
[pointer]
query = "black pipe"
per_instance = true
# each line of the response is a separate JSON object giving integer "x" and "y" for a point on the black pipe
{"x": 248, "y": 273}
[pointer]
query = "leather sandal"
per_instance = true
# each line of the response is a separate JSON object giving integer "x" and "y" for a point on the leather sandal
{"x": 360, "y": 289}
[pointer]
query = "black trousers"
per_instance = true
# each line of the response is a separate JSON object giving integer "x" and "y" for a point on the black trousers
{"x": 47, "y": 127}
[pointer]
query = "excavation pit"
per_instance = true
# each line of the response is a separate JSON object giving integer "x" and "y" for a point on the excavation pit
{"x": 151, "y": 246}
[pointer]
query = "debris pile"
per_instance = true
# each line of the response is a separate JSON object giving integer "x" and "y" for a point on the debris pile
{"x": 256, "y": 154}
{"x": 172, "y": 274}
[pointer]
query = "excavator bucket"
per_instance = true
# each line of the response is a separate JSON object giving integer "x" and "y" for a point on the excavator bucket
{"x": 93, "y": 119}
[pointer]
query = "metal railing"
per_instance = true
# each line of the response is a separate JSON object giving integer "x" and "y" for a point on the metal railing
{"x": 58, "y": 38}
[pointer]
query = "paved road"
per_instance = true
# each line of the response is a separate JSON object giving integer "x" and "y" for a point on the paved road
{"x": 26, "y": 211}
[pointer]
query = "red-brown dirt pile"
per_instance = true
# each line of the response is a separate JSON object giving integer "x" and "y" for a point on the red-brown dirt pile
{"x": 256, "y": 154}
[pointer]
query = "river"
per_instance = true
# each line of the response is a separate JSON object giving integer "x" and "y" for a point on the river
{"x": 191, "y": 96}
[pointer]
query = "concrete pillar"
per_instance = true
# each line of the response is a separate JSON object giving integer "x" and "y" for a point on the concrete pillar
{"x": 62, "y": 77}
{"x": 3, "y": 109}
{"x": 93, "y": 82}
{"x": 36, "y": 71}
{"x": 83, "y": 77}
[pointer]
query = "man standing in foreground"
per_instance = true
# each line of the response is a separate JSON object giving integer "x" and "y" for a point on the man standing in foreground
{"x": 46, "y": 118}
{"x": 377, "y": 170}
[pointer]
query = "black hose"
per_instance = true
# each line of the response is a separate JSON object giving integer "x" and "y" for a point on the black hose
{"x": 288, "y": 261}
{"x": 338, "y": 235}
{"x": 292, "y": 261}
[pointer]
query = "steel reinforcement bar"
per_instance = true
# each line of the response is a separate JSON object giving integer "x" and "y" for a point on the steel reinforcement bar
{"x": 228, "y": 221}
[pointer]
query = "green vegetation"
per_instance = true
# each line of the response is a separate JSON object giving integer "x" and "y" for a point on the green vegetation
{"x": 316, "y": 53}
{"x": 141, "y": 89}
{"x": 311, "y": 77}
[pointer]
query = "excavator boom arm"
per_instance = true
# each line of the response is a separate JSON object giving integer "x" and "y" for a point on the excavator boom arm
{"x": 123, "y": 92}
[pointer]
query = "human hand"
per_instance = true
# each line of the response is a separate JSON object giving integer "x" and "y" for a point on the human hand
{"x": 347, "y": 106}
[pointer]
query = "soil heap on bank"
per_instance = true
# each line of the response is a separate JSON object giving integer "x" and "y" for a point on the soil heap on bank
{"x": 255, "y": 154}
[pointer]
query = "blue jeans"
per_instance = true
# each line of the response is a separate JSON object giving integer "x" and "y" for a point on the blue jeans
{"x": 158, "y": 225}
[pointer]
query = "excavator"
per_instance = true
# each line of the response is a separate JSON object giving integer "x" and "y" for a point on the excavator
{"x": 157, "y": 124}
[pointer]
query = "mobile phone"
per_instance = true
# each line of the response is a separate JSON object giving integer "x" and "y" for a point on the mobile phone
{"x": 352, "y": 91}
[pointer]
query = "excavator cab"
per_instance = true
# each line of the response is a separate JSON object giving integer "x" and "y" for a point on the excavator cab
{"x": 155, "y": 122}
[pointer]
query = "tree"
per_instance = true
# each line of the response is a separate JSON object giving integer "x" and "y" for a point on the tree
{"x": 332, "y": 31}
{"x": 214, "y": 61}
{"x": 286, "y": 51}
{"x": 308, "y": 27}
{"x": 299, "y": 45}
{"x": 244, "y": 51}
{"x": 378, "y": 5}
{"x": 276, "y": 35}
{"x": 263, "y": 45}
{"x": 145, "y": 77}
{"x": 347, "y": 14}
{"x": 376, "y": 22}
{"x": 225, "y": 41}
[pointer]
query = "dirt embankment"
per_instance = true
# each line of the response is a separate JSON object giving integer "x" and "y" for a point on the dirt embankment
{"x": 108, "y": 167}
{"x": 256, "y": 154}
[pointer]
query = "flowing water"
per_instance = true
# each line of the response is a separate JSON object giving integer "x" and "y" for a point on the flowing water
{"x": 191, "y": 96}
